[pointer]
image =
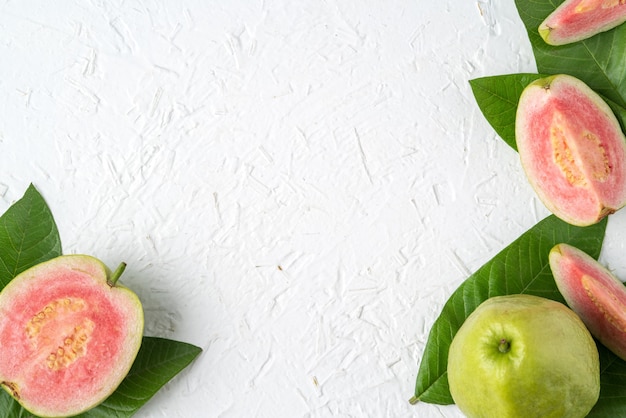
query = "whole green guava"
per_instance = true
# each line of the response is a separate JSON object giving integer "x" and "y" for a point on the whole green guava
{"x": 523, "y": 356}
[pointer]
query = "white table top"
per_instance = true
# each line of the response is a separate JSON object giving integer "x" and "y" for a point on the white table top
{"x": 297, "y": 186}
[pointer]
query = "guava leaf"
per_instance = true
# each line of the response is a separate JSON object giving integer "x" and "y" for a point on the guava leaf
{"x": 619, "y": 112}
{"x": 10, "y": 408}
{"x": 612, "y": 402}
{"x": 158, "y": 361}
{"x": 522, "y": 267}
{"x": 28, "y": 236}
{"x": 497, "y": 98}
{"x": 599, "y": 61}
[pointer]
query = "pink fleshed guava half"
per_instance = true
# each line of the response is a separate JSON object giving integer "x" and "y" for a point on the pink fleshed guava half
{"x": 594, "y": 293}
{"x": 69, "y": 335}
{"x": 576, "y": 20}
{"x": 572, "y": 149}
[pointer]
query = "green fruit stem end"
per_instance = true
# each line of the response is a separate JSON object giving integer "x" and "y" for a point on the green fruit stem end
{"x": 116, "y": 274}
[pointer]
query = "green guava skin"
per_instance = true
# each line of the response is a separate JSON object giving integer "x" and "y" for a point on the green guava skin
{"x": 550, "y": 367}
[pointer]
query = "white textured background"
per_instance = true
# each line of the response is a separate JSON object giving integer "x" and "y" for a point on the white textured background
{"x": 296, "y": 186}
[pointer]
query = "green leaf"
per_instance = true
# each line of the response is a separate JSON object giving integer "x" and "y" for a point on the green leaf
{"x": 522, "y": 267}
{"x": 612, "y": 402}
{"x": 497, "y": 98}
{"x": 28, "y": 236}
{"x": 599, "y": 61}
{"x": 10, "y": 407}
{"x": 619, "y": 112}
{"x": 158, "y": 361}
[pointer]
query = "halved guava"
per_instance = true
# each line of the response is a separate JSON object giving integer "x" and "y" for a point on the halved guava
{"x": 576, "y": 20}
{"x": 572, "y": 149}
{"x": 594, "y": 293}
{"x": 68, "y": 335}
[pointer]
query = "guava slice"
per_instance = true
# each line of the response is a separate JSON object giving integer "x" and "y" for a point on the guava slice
{"x": 68, "y": 335}
{"x": 576, "y": 20}
{"x": 594, "y": 293}
{"x": 572, "y": 149}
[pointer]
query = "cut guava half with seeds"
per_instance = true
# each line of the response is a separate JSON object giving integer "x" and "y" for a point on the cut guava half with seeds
{"x": 572, "y": 149}
{"x": 69, "y": 334}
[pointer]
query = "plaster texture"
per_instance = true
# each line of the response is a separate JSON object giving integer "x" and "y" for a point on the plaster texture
{"x": 297, "y": 186}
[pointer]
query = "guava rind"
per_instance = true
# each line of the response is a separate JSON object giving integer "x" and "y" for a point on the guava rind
{"x": 577, "y": 20}
{"x": 572, "y": 149}
{"x": 594, "y": 293}
{"x": 66, "y": 304}
{"x": 551, "y": 368}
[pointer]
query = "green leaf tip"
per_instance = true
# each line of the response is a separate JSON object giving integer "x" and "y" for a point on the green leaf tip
{"x": 28, "y": 235}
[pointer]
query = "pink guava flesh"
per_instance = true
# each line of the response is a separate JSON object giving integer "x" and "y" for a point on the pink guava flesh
{"x": 572, "y": 149}
{"x": 576, "y": 20}
{"x": 68, "y": 338}
{"x": 596, "y": 295}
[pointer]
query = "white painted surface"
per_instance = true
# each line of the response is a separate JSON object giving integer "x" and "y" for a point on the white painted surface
{"x": 296, "y": 186}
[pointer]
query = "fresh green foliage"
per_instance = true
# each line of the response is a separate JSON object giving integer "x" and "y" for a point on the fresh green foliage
{"x": 522, "y": 267}
{"x": 28, "y": 236}
{"x": 612, "y": 402}
{"x": 619, "y": 112}
{"x": 497, "y": 98}
{"x": 599, "y": 61}
{"x": 159, "y": 360}
{"x": 10, "y": 408}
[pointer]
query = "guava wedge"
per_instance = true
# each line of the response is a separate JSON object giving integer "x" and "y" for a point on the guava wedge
{"x": 69, "y": 334}
{"x": 576, "y": 20}
{"x": 594, "y": 293}
{"x": 572, "y": 149}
